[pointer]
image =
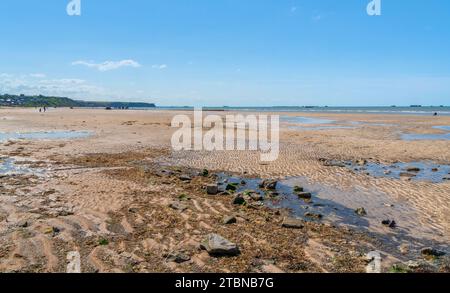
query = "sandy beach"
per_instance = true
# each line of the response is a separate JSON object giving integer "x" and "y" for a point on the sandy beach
{"x": 123, "y": 200}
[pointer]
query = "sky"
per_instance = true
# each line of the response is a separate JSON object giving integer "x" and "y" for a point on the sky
{"x": 229, "y": 52}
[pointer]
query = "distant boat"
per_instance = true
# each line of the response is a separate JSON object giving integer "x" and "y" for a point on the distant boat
{"x": 416, "y": 106}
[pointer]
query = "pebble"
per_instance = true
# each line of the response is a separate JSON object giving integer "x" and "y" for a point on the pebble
{"x": 178, "y": 206}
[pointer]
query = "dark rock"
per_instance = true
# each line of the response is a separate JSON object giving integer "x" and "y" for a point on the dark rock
{"x": 293, "y": 223}
{"x": 212, "y": 189}
{"x": 313, "y": 215}
{"x": 361, "y": 212}
{"x": 269, "y": 184}
{"x": 204, "y": 173}
{"x": 217, "y": 245}
{"x": 239, "y": 200}
{"x": 391, "y": 224}
{"x": 231, "y": 187}
{"x": 229, "y": 220}
{"x": 413, "y": 169}
{"x": 304, "y": 195}
{"x": 429, "y": 251}
{"x": 298, "y": 189}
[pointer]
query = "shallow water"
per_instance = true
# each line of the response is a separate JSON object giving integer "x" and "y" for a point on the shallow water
{"x": 8, "y": 166}
{"x": 321, "y": 127}
{"x": 305, "y": 120}
{"x": 429, "y": 171}
{"x": 428, "y": 136}
{"x": 445, "y": 128}
{"x": 44, "y": 135}
{"x": 337, "y": 206}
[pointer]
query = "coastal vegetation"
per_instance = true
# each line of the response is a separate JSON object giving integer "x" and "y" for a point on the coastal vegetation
{"x": 7, "y": 100}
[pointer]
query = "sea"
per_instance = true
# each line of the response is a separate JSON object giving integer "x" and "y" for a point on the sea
{"x": 410, "y": 110}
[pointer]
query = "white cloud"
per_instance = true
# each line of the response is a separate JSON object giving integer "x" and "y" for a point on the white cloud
{"x": 68, "y": 87}
{"x": 159, "y": 66}
{"x": 108, "y": 65}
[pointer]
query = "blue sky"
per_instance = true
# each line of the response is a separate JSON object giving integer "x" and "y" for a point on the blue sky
{"x": 229, "y": 52}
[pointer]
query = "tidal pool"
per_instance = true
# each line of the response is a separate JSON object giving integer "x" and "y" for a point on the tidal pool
{"x": 306, "y": 120}
{"x": 416, "y": 171}
{"x": 428, "y": 136}
{"x": 44, "y": 135}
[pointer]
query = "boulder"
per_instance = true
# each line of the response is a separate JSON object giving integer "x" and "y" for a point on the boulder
{"x": 217, "y": 245}
{"x": 293, "y": 223}
{"x": 212, "y": 189}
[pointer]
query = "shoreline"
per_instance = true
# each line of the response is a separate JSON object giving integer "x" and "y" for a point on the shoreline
{"x": 95, "y": 182}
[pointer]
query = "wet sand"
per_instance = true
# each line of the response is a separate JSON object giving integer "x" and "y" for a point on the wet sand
{"x": 107, "y": 197}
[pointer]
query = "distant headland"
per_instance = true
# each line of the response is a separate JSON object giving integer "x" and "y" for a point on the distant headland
{"x": 50, "y": 101}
